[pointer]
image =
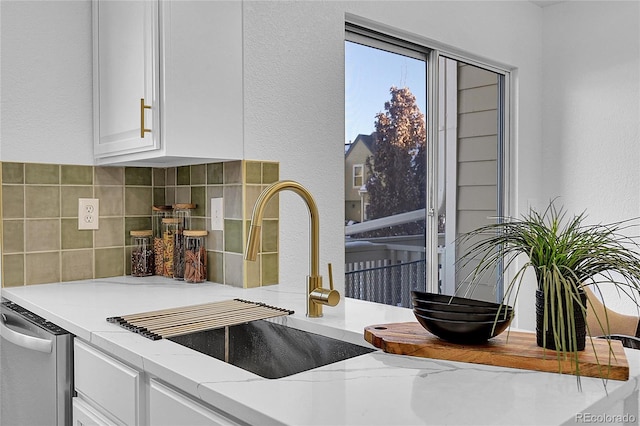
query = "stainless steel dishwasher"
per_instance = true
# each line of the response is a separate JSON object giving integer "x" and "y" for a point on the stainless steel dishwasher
{"x": 36, "y": 378}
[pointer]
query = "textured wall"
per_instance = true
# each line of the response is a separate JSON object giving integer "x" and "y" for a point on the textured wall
{"x": 294, "y": 114}
{"x": 46, "y": 80}
{"x": 591, "y": 117}
{"x": 592, "y": 107}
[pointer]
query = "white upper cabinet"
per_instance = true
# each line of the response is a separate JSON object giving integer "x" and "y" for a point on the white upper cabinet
{"x": 167, "y": 81}
{"x": 126, "y": 70}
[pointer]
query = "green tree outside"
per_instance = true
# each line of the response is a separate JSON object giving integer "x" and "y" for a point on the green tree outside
{"x": 397, "y": 168}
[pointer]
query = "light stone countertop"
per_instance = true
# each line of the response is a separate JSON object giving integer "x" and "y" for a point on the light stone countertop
{"x": 372, "y": 389}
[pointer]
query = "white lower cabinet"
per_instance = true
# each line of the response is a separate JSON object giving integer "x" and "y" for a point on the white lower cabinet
{"x": 168, "y": 407}
{"x": 107, "y": 385}
{"x": 112, "y": 393}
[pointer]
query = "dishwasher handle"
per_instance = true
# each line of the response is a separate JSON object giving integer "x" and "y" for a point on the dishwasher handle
{"x": 23, "y": 340}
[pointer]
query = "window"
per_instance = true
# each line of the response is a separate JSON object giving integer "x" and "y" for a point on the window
{"x": 452, "y": 173}
{"x": 357, "y": 176}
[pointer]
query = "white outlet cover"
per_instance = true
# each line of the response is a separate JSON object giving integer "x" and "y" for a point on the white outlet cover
{"x": 88, "y": 213}
{"x": 217, "y": 214}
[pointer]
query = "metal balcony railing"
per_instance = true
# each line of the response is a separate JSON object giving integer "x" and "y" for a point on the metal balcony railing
{"x": 385, "y": 222}
{"x": 391, "y": 284}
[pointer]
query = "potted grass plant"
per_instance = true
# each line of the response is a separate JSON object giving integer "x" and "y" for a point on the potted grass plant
{"x": 566, "y": 255}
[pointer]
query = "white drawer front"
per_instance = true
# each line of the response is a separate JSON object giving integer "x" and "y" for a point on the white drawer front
{"x": 169, "y": 408}
{"x": 85, "y": 415}
{"x": 107, "y": 382}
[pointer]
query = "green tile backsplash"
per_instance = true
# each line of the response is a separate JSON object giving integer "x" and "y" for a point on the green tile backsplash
{"x": 140, "y": 176}
{"x": 109, "y": 175}
{"x": 198, "y": 174}
{"x": 76, "y": 175}
{"x": 13, "y": 202}
{"x": 13, "y": 236}
{"x": 77, "y": 265}
{"x": 12, "y": 173}
{"x": 39, "y": 205}
{"x": 12, "y": 270}
{"x": 183, "y": 175}
{"x": 233, "y": 241}
{"x": 254, "y": 172}
{"x": 41, "y": 201}
{"x": 40, "y": 268}
{"x": 72, "y": 237}
{"x": 41, "y": 174}
{"x": 214, "y": 173}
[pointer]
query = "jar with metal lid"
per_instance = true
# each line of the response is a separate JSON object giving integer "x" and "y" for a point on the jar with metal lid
{"x": 141, "y": 253}
{"x": 183, "y": 212}
{"x": 169, "y": 231}
{"x": 195, "y": 255}
{"x": 157, "y": 214}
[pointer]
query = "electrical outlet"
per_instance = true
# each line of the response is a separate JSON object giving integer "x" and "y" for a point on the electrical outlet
{"x": 88, "y": 212}
{"x": 217, "y": 214}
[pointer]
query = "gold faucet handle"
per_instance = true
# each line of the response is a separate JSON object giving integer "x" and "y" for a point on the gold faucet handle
{"x": 330, "y": 276}
{"x": 323, "y": 296}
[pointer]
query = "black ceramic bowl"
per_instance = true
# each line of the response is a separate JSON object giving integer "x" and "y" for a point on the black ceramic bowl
{"x": 464, "y": 316}
{"x": 463, "y": 332}
{"x": 443, "y": 298}
{"x": 457, "y": 307}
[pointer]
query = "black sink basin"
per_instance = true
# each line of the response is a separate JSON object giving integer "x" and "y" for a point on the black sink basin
{"x": 270, "y": 350}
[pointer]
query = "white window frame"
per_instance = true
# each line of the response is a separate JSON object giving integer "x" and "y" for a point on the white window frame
{"x": 364, "y": 31}
{"x": 361, "y": 176}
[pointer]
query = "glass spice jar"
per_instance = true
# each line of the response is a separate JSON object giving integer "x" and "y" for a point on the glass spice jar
{"x": 183, "y": 212}
{"x": 195, "y": 255}
{"x": 178, "y": 254}
{"x": 141, "y": 253}
{"x": 157, "y": 214}
{"x": 169, "y": 231}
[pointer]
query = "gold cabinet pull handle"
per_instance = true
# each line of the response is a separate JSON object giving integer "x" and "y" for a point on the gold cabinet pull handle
{"x": 142, "y": 108}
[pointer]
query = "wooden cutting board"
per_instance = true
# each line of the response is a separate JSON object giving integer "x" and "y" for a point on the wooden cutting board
{"x": 513, "y": 349}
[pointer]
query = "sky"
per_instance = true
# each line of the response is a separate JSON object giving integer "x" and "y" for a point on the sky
{"x": 369, "y": 74}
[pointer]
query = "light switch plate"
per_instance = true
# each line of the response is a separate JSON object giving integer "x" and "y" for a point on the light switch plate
{"x": 88, "y": 212}
{"x": 217, "y": 214}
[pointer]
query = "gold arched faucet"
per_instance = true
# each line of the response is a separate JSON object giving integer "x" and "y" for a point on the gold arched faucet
{"x": 316, "y": 294}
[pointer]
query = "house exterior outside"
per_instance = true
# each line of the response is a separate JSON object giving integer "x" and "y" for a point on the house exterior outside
{"x": 355, "y": 177}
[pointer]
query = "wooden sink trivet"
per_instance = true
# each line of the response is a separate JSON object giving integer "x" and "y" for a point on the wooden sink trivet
{"x": 515, "y": 349}
{"x": 165, "y": 323}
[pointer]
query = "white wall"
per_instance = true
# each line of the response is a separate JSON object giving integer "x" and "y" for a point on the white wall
{"x": 46, "y": 82}
{"x": 591, "y": 105}
{"x": 294, "y": 113}
{"x": 591, "y": 111}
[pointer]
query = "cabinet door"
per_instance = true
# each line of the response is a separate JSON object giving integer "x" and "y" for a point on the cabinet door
{"x": 111, "y": 385}
{"x": 168, "y": 407}
{"x": 85, "y": 415}
{"x": 126, "y": 66}
{"x": 202, "y": 109}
